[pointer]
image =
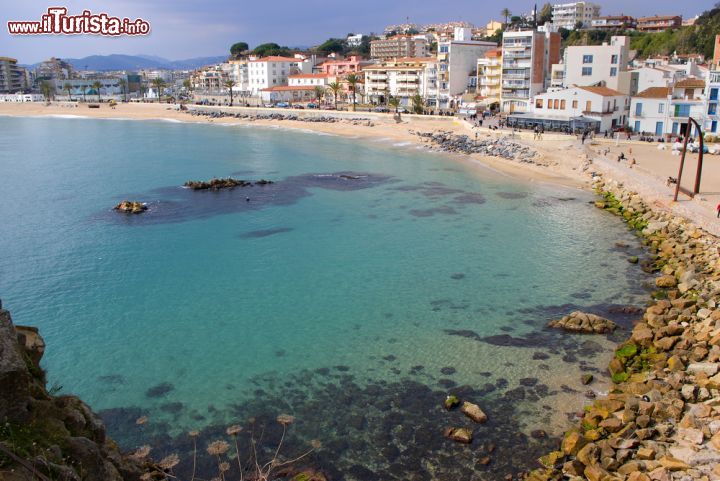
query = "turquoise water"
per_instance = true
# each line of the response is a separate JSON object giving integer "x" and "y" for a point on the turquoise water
{"x": 423, "y": 264}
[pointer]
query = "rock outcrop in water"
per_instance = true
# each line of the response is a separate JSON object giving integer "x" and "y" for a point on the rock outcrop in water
{"x": 661, "y": 420}
{"x": 494, "y": 147}
{"x": 328, "y": 119}
{"x": 584, "y": 323}
{"x": 226, "y": 183}
{"x": 131, "y": 207}
{"x": 43, "y": 436}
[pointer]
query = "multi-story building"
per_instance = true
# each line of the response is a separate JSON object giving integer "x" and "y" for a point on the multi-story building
{"x": 489, "y": 74}
{"x": 599, "y": 108}
{"x": 12, "y": 77}
{"x": 659, "y": 23}
{"x": 457, "y": 62}
{"x": 301, "y": 88}
{"x": 399, "y": 46}
{"x": 402, "y": 28}
{"x": 665, "y": 110}
{"x": 354, "y": 40}
{"x": 527, "y": 59}
{"x": 210, "y": 80}
{"x": 604, "y": 65}
{"x": 54, "y": 68}
{"x": 613, "y": 22}
{"x": 110, "y": 87}
{"x": 402, "y": 78}
{"x": 274, "y": 71}
{"x": 238, "y": 71}
{"x": 492, "y": 27}
{"x": 557, "y": 75}
{"x": 569, "y": 15}
{"x": 712, "y": 94}
{"x": 342, "y": 67}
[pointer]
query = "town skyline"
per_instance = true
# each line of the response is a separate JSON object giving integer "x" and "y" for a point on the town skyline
{"x": 184, "y": 29}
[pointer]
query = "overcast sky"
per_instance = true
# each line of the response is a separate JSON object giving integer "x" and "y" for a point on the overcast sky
{"x": 193, "y": 28}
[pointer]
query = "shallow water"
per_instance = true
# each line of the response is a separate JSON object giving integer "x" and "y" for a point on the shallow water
{"x": 354, "y": 304}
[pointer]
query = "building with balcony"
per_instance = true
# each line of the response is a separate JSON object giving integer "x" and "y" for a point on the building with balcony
{"x": 209, "y": 80}
{"x": 343, "y": 66}
{"x": 659, "y": 23}
{"x": 54, "y": 68}
{"x": 664, "y": 111}
{"x": 402, "y": 78}
{"x": 712, "y": 94}
{"x": 274, "y": 71}
{"x": 568, "y": 15}
{"x": 489, "y": 77}
{"x": 399, "y": 46}
{"x": 613, "y": 22}
{"x": 602, "y": 65}
{"x": 527, "y": 58}
{"x": 600, "y": 106}
{"x": 12, "y": 77}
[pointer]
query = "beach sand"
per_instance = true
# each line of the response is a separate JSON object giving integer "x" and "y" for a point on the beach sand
{"x": 564, "y": 155}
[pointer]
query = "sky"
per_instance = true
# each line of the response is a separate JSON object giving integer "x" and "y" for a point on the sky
{"x": 183, "y": 29}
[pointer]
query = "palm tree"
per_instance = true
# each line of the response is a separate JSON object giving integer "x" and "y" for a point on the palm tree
{"x": 319, "y": 94}
{"x": 352, "y": 80}
{"x": 123, "y": 88}
{"x": 229, "y": 84}
{"x": 394, "y": 102}
{"x": 97, "y": 86}
{"x": 159, "y": 85}
{"x": 68, "y": 88}
{"x": 335, "y": 88}
{"x": 417, "y": 103}
{"x": 506, "y": 13}
{"x": 47, "y": 90}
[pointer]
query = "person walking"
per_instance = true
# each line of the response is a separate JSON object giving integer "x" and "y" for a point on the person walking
{"x": 537, "y": 132}
{"x": 718, "y": 210}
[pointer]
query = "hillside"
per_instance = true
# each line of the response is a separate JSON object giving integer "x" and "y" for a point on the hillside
{"x": 137, "y": 62}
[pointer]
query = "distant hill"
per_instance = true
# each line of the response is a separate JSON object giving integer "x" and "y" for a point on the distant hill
{"x": 136, "y": 62}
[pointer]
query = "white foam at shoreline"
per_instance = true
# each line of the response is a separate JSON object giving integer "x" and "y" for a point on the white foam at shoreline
{"x": 68, "y": 116}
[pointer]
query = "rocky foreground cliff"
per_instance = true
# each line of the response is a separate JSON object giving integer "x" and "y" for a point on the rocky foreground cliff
{"x": 46, "y": 437}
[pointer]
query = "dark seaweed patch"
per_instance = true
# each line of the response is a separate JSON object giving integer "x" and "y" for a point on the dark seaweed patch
{"x": 264, "y": 232}
{"x": 160, "y": 390}
{"x": 433, "y": 211}
{"x": 511, "y": 195}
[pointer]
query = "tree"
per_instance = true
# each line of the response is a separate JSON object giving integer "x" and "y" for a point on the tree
{"x": 96, "y": 85}
{"x": 319, "y": 94}
{"x": 332, "y": 45}
{"x": 579, "y": 25}
{"x": 123, "y": 88}
{"x": 394, "y": 102}
{"x": 418, "y": 104}
{"x": 238, "y": 48}
{"x": 268, "y": 49}
{"x": 505, "y": 12}
{"x": 545, "y": 15}
{"x": 47, "y": 90}
{"x": 68, "y": 88}
{"x": 335, "y": 88}
{"x": 352, "y": 80}
{"x": 159, "y": 85}
{"x": 229, "y": 84}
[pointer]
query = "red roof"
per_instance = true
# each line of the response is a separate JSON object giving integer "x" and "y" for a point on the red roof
{"x": 654, "y": 93}
{"x": 309, "y": 75}
{"x": 289, "y": 88}
{"x": 691, "y": 83}
{"x": 277, "y": 59}
{"x": 604, "y": 91}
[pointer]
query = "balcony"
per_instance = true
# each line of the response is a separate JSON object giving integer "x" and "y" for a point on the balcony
{"x": 516, "y": 96}
{"x": 517, "y": 76}
{"x": 516, "y": 85}
{"x": 517, "y": 65}
{"x": 489, "y": 82}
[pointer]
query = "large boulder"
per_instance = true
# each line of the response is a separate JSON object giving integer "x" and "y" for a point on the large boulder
{"x": 584, "y": 323}
{"x": 15, "y": 377}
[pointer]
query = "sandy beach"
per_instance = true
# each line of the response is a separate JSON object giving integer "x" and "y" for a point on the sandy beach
{"x": 564, "y": 158}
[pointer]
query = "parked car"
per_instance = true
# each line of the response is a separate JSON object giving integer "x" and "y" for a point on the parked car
{"x": 282, "y": 105}
{"x": 298, "y": 106}
{"x": 312, "y": 105}
{"x": 381, "y": 109}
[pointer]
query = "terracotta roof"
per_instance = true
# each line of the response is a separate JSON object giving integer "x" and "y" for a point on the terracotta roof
{"x": 415, "y": 59}
{"x": 277, "y": 59}
{"x": 309, "y": 75}
{"x": 658, "y": 17}
{"x": 604, "y": 91}
{"x": 288, "y": 88}
{"x": 691, "y": 83}
{"x": 654, "y": 93}
{"x": 493, "y": 53}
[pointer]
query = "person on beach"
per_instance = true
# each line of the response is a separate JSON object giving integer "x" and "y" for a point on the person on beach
{"x": 718, "y": 210}
{"x": 537, "y": 133}
{"x": 542, "y": 131}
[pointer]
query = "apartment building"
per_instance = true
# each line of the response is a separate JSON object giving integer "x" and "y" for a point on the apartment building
{"x": 54, "y": 68}
{"x": 659, "y": 23}
{"x": 210, "y": 80}
{"x": 665, "y": 110}
{"x": 402, "y": 78}
{"x": 399, "y": 46}
{"x": 568, "y": 15}
{"x": 342, "y": 67}
{"x": 602, "y": 65}
{"x": 79, "y": 88}
{"x": 598, "y": 108}
{"x": 712, "y": 94}
{"x": 489, "y": 75}
{"x": 614, "y": 22}
{"x": 274, "y": 71}
{"x": 12, "y": 77}
{"x": 527, "y": 58}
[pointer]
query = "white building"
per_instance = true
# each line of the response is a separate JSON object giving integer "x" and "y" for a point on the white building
{"x": 712, "y": 94}
{"x": 604, "y": 65}
{"x": 402, "y": 78}
{"x": 568, "y": 15}
{"x": 20, "y": 97}
{"x": 274, "y": 71}
{"x": 354, "y": 40}
{"x": 607, "y": 107}
{"x": 309, "y": 79}
{"x": 456, "y": 61}
{"x": 527, "y": 59}
{"x": 665, "y": 110}
{"x": 79, "y": 88}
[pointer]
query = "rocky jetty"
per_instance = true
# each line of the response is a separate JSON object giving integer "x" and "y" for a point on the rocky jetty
{"x": 216, "y": 114}
{"x": 226, "y": 183}
{"x": 583, "y": 323}
{"x": 445, "y": 141}
{"x": 661, "y": 419}
{"x": 131, "y": 207}
{"x": 43, "y": 436}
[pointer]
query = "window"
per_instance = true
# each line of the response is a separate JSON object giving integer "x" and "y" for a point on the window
{"x": 712, "y": 109}
{"x": 613, "y": 71}
{"x": 614, "y": 59}
{"x": 661, "y": 108}
{"x": 586, "y": 71}
{"x": 682, "y": 110}
{"x": 539, "y": 103}
{"x": 557, "y": 104}
{"x": 444, "y": 49}
{"x": 638, "y": 109}
{"x": 550, "y": 104}
{"x": 713, "y": 94}
{"x": 587, "y": 59}
{"x": 574, "y": 104}
{"x": 588, "y": 106}
{"x": 562, "y": 105}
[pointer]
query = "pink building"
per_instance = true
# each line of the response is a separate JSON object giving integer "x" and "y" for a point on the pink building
{"x": 342, "y": 67}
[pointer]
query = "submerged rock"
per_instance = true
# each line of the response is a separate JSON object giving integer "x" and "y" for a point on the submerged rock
{"x": 584, "y": 323}
{"x": 474, "y": 412}
{"x": 451, "y": 402}
{"x": 217, "y": 184}
{"x": 460, "y": 435}
{"x": 131, "y": 207}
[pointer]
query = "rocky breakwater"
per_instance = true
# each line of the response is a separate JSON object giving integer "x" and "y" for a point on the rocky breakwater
{"x": 328, "y": 119}
{"x": 131, "y": 207}
{"x": 43, "y": 436}
{"x": 444, "y": 141}
{"x": 661, "y": 420}
{"x": 584, "y": 323}
{"x": 226, "y": 183}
